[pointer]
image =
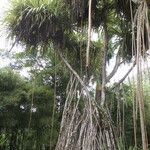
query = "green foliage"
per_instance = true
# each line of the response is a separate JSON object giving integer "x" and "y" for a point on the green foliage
{"x": 15, "y": 109}
{"x": 36, "y": 22}
{"x": 63, "y": 22}
{"x": 8, "y": 80}
{"x": 120, "y": 103}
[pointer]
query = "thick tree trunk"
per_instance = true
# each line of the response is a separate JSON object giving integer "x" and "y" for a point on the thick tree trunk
{"x": 107, "y": 132}
{"x": 105, "y": 51}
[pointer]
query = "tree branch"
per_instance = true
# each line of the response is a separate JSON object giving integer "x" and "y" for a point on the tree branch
{"x": 73, "y": 71}
{"x": 117, "y": 64}
{"x": 121, "y": 80}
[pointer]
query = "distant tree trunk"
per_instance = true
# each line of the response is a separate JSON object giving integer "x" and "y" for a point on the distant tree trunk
{"x": 22, "y": 139}
{"x": 13, "y": 139}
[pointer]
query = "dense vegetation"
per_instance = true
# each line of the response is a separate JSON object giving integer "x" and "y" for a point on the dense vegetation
{"x": 26, "y": 113}
{"x": 57, "y": 108}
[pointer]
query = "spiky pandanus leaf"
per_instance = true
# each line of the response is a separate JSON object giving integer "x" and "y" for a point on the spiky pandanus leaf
{"x": 36, "y": 23}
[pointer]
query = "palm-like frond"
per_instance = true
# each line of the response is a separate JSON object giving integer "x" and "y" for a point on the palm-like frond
{"x": 37, "y": 22}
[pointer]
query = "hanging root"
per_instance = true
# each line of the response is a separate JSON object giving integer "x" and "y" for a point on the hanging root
{"x": 84, "y": 125}
{"x": 141, "y": 22}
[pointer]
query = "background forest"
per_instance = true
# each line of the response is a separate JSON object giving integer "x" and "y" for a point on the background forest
{"x": 69, "y": 102}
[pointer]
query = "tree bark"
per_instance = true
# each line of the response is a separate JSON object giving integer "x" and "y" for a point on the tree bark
{"x": 105, "y": 51}
{"x": 89, "y": 34}
{"x": 140, "y": 45}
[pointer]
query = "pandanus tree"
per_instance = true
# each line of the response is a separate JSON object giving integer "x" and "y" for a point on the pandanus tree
{"x": 66, "y": 27}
